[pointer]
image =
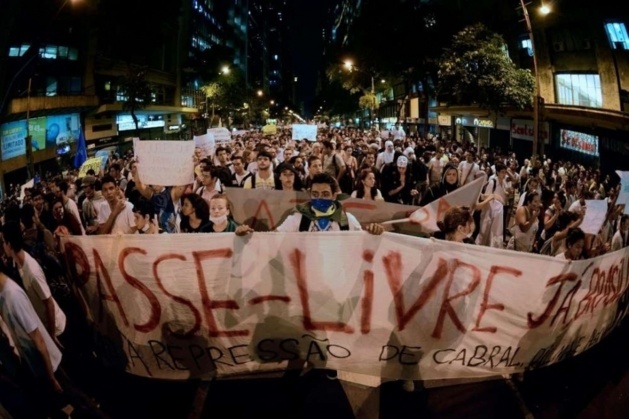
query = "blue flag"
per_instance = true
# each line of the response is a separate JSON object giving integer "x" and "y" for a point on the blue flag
{"x": 81, "y": 151}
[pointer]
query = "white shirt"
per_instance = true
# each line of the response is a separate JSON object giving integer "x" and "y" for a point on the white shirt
{"x": 21, "y": 319}
{"x": 468, "y": 172}
{"x": 619, "y": 240}
{"x": 37, "y": 289}
{"x": 73, "y": 209}
{"x": 124, "y": 223}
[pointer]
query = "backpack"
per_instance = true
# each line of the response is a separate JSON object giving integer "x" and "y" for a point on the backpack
{"x": 492, "y": 190}
{"x": 304, "y": 224}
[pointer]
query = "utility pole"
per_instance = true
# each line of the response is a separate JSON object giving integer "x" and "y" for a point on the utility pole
{"x": 30, "y": 168}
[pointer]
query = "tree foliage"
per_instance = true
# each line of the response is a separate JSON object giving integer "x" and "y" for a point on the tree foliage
{"x": 137, "y": 91}
{"x": 226, "y": 95}
{"x": 476, "y": 69}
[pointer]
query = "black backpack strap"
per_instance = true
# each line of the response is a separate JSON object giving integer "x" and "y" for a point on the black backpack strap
{"x": 304, "y": 224}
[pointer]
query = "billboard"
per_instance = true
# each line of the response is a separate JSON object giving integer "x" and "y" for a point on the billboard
{"x": 579, "y": 141}
{"x": 62, "y": 128}
{"x": 13, "y": 139}
{"x": 46, "y": 131}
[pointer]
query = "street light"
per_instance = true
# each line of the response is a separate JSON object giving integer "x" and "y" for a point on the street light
{"x": 260, "y": 93}
{"x": 544, "y": 10}
{"x": 349, "y": 65}
{"x": 225, "y": 70}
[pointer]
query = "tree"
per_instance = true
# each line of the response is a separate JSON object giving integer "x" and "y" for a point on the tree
{"x": 137, "y": 91}
{"x": 476, "y": 69}
{"x": 226, "y": 94}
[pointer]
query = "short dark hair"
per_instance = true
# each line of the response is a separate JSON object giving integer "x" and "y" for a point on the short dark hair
{"x": 326, "y": 178}
{"x": 264, "y": 153}
{"x": 115, "y": 166}
{"x": 12, "y": 235}
{"x": 500, "y": 166}
{"x": 574, "y": 235}
{"x": 144, "y": 207}
{"x": 63, "y": 185}
{"x": 108, "y": 179}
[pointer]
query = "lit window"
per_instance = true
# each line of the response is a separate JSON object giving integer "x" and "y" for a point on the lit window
{"x": 107, "y": 86}
{"x": 579, "y": 90}
{"x": 275, "y": 57}
{"x": 14, "y": 52}
{"x": 527, "y": 45}
{"x": 50, "y": 51}
{"x": 24, "y": 48}
{"x": 63, "y": 52}
{"x": 617, "y": 34}
{"x": 51, "y": 86}
{"x": 73, "y": 54}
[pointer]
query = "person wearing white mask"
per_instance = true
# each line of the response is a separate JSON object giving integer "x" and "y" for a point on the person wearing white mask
{"x": 385, "y": 157}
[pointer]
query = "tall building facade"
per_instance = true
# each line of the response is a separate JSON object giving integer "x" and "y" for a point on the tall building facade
{"x": 67, "y": 76}
{"x": 270, "y": 66}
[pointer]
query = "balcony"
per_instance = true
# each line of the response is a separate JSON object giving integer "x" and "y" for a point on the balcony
{"x": 43, "y": 105}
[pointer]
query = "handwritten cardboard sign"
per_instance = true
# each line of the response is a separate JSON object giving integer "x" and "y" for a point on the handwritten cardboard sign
{"x": 186, "y": 306}
{"x": 165, "y": 163}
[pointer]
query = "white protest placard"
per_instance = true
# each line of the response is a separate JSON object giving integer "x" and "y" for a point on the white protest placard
{"x": 304, "y": 131}
{"x": 221, "y": 135}
{"x": 165, "y": 163}
{"x": 23, "y": 188}
{"x": 595, "y": 213}
{"x": 206, "y": 143}
{"x": 183, "y": 306}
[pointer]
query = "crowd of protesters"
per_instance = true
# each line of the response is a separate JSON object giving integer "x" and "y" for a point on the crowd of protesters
{"x": 527, "y": 206}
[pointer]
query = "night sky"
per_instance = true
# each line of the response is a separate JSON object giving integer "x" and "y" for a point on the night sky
{"x": 306, "y": 45}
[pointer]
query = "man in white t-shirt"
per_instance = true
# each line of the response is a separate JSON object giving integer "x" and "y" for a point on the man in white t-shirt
{"x": 34, "y": 280}
{"x": 35, "y": 346}
{"x": 116, "y": 215}
{"x": 469, "y": 170}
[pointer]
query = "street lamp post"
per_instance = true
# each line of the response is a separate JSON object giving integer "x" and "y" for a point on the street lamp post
{"x": 538, "y": 100}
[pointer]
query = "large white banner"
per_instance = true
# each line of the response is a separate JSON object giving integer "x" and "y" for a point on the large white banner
{"x": 165, "y": 163}
{"x": 304, "y": 131}
{"x": 392, "y": 306}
